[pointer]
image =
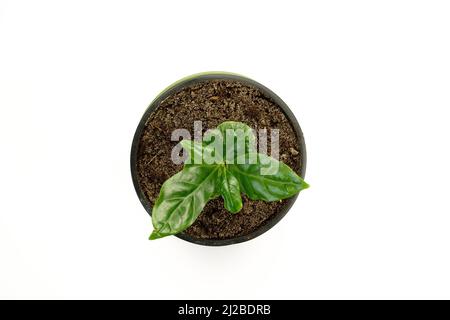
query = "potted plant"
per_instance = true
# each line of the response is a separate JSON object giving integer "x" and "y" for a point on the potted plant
{"x": 202, "y": 164}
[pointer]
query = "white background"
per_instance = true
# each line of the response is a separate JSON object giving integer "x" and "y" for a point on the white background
{"x": 369, "y": 82}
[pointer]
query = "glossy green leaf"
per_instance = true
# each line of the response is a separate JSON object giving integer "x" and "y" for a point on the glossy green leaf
{"x": 182, "y": 198}
{"x": 282, "y": 183}
{"x": 194, "y": 151}
{"x": 230, "y": 191}
{"x": 237, "y": 138}
{"x": 199, "y": 153}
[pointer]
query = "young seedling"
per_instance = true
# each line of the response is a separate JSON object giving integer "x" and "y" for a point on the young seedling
{"x": 218, "y": 166}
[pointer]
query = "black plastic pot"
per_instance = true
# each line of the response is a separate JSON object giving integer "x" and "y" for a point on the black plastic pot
{"x": 200, "y": 78}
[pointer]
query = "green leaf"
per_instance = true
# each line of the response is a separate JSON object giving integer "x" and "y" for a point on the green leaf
{"x": 281, "y": 184}
{"x": 200, "y": 154}
{"x": 183, "y": 196}
{"x": 182, "y": 199}
{"x": 230, "y": 191}
{"x": 234, "y": 126}
{"x": 237, "y": 138}
{"x": 194, "y": 150}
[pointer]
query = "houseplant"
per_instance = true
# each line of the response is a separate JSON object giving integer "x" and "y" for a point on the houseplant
{"x": 214, "y": 98}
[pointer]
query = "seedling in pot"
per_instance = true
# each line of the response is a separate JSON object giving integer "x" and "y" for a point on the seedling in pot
{"x": 218, "y": 166}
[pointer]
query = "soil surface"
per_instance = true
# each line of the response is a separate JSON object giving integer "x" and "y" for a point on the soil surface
{"x": 212, "y": 102}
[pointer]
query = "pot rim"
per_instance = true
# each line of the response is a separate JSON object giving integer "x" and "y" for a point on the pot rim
{"x": 201, "y": 77}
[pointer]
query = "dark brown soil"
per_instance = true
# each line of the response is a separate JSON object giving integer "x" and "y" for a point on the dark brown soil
{"x": 213, "y": 102}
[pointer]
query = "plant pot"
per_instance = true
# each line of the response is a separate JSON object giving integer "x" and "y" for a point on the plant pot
{"x": 210, "y": 77}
